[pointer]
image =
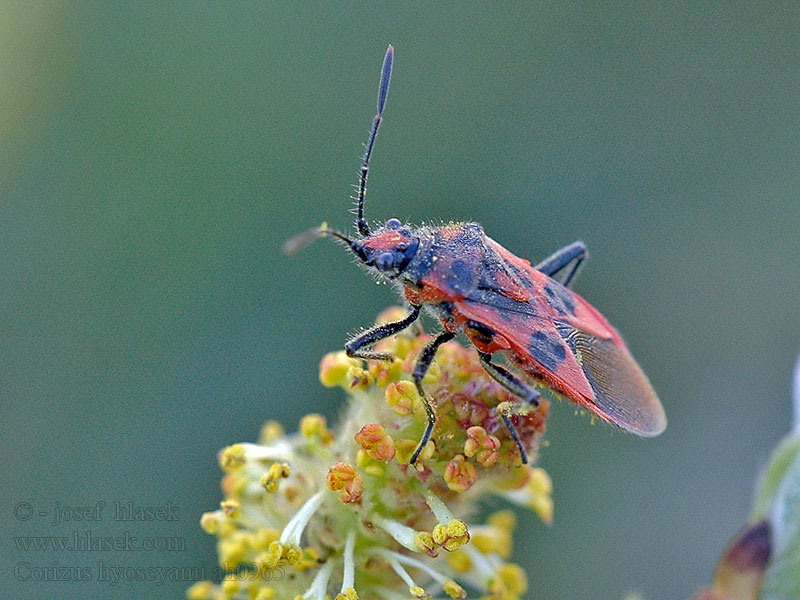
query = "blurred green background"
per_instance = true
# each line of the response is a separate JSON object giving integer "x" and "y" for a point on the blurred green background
{"x": 155, "y": 156}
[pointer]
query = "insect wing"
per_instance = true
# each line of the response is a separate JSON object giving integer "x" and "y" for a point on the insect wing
{"x": 622, "y": 393}
{"x": 572, "y": 347}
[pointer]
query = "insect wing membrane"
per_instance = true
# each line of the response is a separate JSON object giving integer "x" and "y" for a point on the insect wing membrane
{"x": 622, "y": 392}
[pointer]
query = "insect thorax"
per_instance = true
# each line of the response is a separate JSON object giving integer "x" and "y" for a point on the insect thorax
{"x": 449, "y": 258}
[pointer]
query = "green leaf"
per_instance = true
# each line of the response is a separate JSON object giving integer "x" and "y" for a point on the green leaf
{"x": 781, "y": 484}
{"x": 782, "y": 458}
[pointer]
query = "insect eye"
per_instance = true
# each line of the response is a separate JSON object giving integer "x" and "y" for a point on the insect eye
{"x": 384, "y": 262}
{"x": 393, "y": 224}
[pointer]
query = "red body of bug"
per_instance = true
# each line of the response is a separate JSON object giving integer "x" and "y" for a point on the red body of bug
{"x": 503, "y": 305}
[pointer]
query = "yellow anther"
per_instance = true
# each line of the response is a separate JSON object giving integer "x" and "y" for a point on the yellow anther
{"x": 202, "y": 590}
{"x": 230, "y": 585}
{"x": 270, "y": 431}
{"x": 374, "y": 440}
{"x": 459, "y": 474}
{"x": 315, "y": 425}
{"x": 425, "y": 542}
{"x": 230, "y": 507}
{"x": 232, "y": 457}
{"x": 271, "y": 478}
{"x": 403, "y": 398}
{"x": 334, "y": 369}
{"x": 418, "y": 592}
{"x": 455, "y": 591}
{"x": 210, "y": 522}
{"x": 451, "y": 536}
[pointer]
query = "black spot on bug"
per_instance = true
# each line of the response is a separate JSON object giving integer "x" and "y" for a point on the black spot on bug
{"x": 484, "y": 334}
{"x": 502, "y": 303}
{"x": 422, "y": 263}
{"x": 520, "y": 276}
{"x": 547, "y": 349}
{"x": 460, "y": 277}
{"x": 491, "y": 265}
{"x": 487, "y": 279}
{"x": 560, "y": 298}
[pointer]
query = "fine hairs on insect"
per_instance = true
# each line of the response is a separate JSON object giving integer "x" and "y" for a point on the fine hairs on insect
{"x": 549, "y": 335}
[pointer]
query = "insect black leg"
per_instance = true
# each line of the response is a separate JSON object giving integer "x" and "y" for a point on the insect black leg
{"x": 516, "y": 386}
{"x": 565, "y": 264}
{"x": 420, "y": 368}
{"x": 508, "y": 380}
{"x": 359, "y": 347}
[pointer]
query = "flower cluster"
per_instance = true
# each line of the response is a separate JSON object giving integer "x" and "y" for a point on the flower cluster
{"x": 343, "y": 514}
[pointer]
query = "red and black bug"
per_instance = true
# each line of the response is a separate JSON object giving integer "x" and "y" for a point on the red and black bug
{"x": 503, "y": 305}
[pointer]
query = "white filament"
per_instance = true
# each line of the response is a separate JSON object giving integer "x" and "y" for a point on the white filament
{"x": 294, "y": 528}
{"x": 348, "y": 575}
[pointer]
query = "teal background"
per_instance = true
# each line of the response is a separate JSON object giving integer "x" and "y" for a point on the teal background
{"x": 155, "y": 156}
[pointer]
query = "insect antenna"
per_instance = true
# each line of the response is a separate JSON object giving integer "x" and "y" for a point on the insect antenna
{"x": 304, "y": 238}
{"x": 299, "y": 241}
{"x": 515, "y": 436}
{"x": 383, "y": 91}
